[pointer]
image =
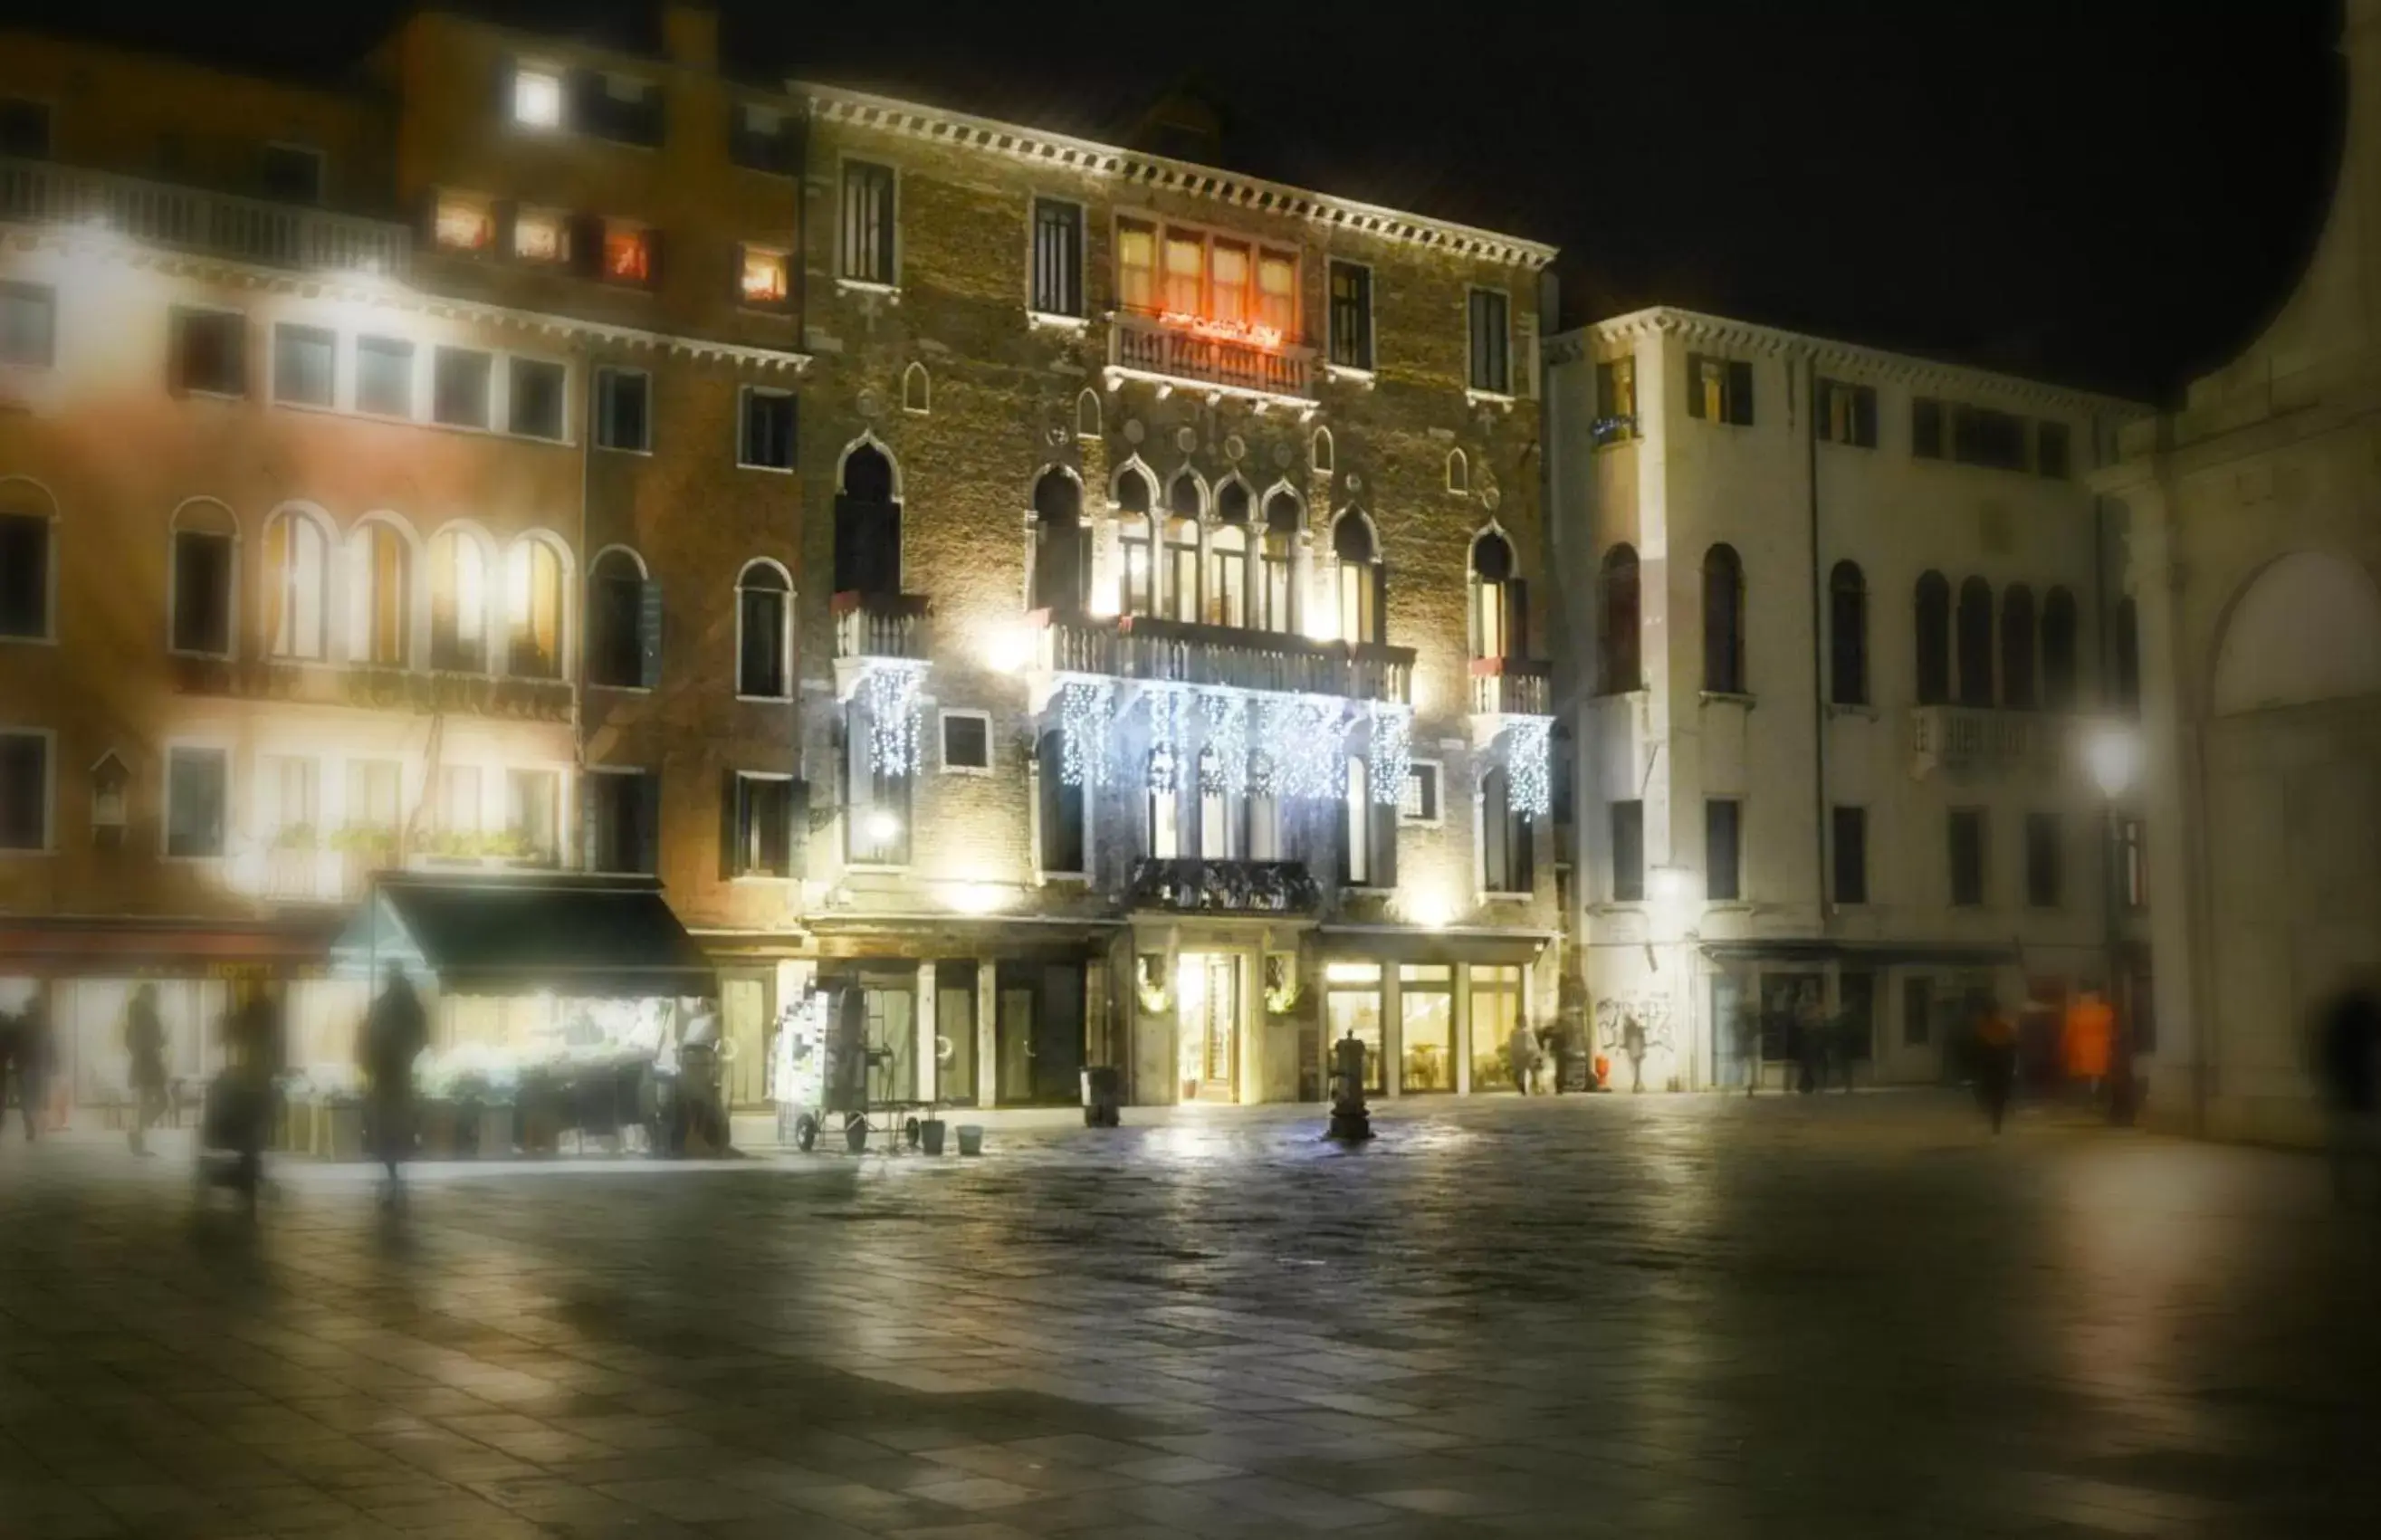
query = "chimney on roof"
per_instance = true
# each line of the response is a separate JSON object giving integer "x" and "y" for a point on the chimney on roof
{"x": 690, "y": 33}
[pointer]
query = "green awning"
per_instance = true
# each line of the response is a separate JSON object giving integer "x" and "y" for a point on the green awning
{"x": 506, "y": 934}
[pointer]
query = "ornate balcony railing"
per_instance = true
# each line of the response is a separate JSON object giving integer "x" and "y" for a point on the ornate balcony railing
{"x": 1193, "y": 886}
{"x": 880, "y": 625}
{"x": 1179, "y": 350}
{"x": 1176, "y": 652}
{"x": 198, "y": 220}
{"x": 375, "y": 689}
{"x": 1970, "y": 740}
{"x": 1512, "y": 687}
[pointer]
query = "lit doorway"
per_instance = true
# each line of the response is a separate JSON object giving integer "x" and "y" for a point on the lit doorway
{"x": 1207, "y": 1023}
{"x": 744, "y": 1021}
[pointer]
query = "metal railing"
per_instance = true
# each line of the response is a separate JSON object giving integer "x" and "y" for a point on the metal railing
{"x": 880, "y": 625}
{"x": 199, "y": 220}
{"x": 1512, "y": 687}
{"x": 1151, "y": 345}
{"x": 1187, "y": 884}
{"x": 1176, "y": 652}
{"x": 545, "y": 699}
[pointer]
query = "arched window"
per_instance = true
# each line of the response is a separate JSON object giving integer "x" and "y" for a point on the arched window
{"x": 1277, "y": 561}
{"x": 297, "y": 587}
{"x": 2017, "y": 647}
{"x": 1087, "y": 415}
{"x": 1132, "y": 499}
{"x": 1060, "y": 543}
{"x": 1356, "y": 825}
{"x": 764, "y": 660}
{"x": 1322, "y": 451}
{"x": 205, "y": 556}
{"x": 867, "y": 525}
{"x": 1975, "y": 622}
{"x": 1228, "y": 576}
{"x": 1723, "y": 621}
{"x": 1495, "y": 631}
{"x": 1619, "y": 658}
{"x": 1459, "y": 471}
{"x": 1232, "y": 502}
{"x": 1848, "y": 635}
{"x": 533, "y": 608}
{"x": 2126, "y": 649}
{"x": 1181, "y": 579}
{"x": 2058, "y": 650}
{"x": 620, "y": 653}
{"x": 1934, "y": 640}
{"x": 459, "y": 602}
{"x": 916, "y": 390}
{"x": 384, "y": 594}
{"x": 1362, "y": 586}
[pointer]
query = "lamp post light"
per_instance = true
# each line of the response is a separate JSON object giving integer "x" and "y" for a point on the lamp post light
{"x": 2112, "y": 754}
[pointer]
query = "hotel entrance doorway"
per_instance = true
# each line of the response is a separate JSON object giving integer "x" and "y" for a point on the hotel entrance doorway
{"x": 1207, "y": 1025}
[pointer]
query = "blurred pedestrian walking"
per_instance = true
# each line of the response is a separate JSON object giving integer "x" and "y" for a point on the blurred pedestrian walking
{"x": 254, "y": 1044}
{"x": 144, "y": 1045}
{"x": 1995, "y": 1051}
{"x": 1521, "y": 1056}
{"x": 30, "y": 1057}
{"x": 2350, "y": 1059}
{"x": 395, "y": 1030}
{"x": 1747, "y": 1028}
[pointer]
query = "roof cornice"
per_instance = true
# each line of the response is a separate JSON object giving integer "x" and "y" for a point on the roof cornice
{"x": 1034, "y": 146}
{"x": 1750, "y": 336}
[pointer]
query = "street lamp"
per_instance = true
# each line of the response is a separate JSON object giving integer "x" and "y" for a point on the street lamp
{"x": 2112, "y": 754}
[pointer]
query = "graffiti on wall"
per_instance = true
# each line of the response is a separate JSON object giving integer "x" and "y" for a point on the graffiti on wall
{"x": 1633, "y": 1026}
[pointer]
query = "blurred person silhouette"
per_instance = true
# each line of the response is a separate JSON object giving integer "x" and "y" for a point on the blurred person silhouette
{"x": 144, "y": 1045}
{"x": 30, "y": 1054}
{"x": 1747, "y": 1027}
{"x": 2350, "y": 1061}
{"x": 395, "y": 1030}
{"x": 2086, "y": 1039}
{"x": 252, "y": 1039}
{"x": 1521, "y": 1053}
{"x": 697, "y": 1079}
{"x": 1996, "y": 1059}
{"x": 1810, "y": 1041}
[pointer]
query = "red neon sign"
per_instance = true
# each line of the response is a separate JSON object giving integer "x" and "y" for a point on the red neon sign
{"x": 1256, "y": 336}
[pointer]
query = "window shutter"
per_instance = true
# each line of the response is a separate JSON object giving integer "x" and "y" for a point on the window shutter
{"x": 798, "y": 832}
{"x": 649, "y": 823}
{"x": 589, "y": 830}
{"x": 728, "y": 852}
{"x": 1524, "y": 364}
{"x": 502, "y": 85}
{"x": 648, "y": 634}
{"x": 1739, "y": 393}
{"x": 653, "y": 244}
{"x": 1694, "y": 384}
{"x": 1517, "y": 619}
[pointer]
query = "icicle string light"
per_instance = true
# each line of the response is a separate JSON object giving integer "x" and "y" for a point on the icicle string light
{"x": 891, "y": 697}
{"x": 1086, "y": 708}
{"x": 1227, "y": 713}
{"x": 1392, "y": 758}
{"x": 1529, "y": 774}
{"x": 1305, "y": 734}
{"x": 1164, "y": 739}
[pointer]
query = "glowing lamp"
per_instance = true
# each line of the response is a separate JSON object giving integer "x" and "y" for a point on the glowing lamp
{"x": 1672, "y": 885}
{"x": 1431, "y": 911}
{"x": 883, "y": 826}
{"x": 1008, "y": 651}
{"x": 2112, "y": 754}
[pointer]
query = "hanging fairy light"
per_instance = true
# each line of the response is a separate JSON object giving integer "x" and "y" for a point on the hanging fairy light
{"x": 1086, "y": 709}
{"x": 1306, "y": 733}
{"x": 1529, "y": 774}
{"x": 1392, "y": 751}
{"x": 1164, "y": 739}
{"x": 892, "y": 698}
{"x": 1227, "y": 712}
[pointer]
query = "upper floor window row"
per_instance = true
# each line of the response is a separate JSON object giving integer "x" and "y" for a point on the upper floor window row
{"x": 618, "y": 251}
{"x": 1981, "y": 436}
{"x": 1208, "y": 280}
{"x": 601, "y": 102}
{"x": 1719, "y": 390}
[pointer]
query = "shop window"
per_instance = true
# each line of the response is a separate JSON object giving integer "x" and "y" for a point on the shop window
{"x": 1723, "y": 621}
{"x": 1849, "y": 848}
{"x": 305, "y": 365}
{"x": 623, "y": 624}
{"x": 2043, "y": 865}
{"x": 202, "y": 591}
{"x": 1967, "y": 831}
{"x": 1628, "y": 824}
{"x": 458, "y": 387}
{"x": 1495, "y": 990}
{"x": 1723, "y": 849}
{"x": 28, "y": 324}
{"x": 533, "y": 602}
{"x": 1618, "y": 670}
{"x": 1975, "y": 642}
{"x": 197, "y": 795}
{"x": 1351, "y": 995}
{"x": 459, "y": 602}
{"x": 868, "y": 223}
{"x": 1848, "y": 413}
{"x": 24, "y": 789}
{"x": 1057, "y": 257}
{"x": 1719, "y": 390}
{"x": 764, "y": 439}
{"x": 211, "y": 352}
{"x": 1848, "y": 635}
{"x": 1352, "y": 315}
{"x": 867, "y": 525}
{"x": 761, "y": 826}
{"x": 1426, "y": 1027}
{"x": 764, "y": 281}
{"x": 296, "y": 585}
{"x": 24, "y": 575}
{"x": 966, "y": 742}
{"x": 1933, "y": 639}
{"x": 535, "y": 408}
{"x": 464, "y": 221}
{"x": 762, "y": 659}
{"x": 384, "y": 376}
{"x": 623, "y": 821}
{"x": 624, "y": 410}
{"x": 542, "y": 236}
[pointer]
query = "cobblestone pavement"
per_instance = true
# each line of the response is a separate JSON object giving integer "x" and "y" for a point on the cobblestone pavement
{"x": 1834, "y": 1316}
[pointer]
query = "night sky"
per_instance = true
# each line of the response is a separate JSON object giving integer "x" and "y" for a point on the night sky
{"x": 2108, "y": 192}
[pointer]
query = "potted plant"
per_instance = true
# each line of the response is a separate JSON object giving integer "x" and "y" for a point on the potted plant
{"x": 294, "y": 836}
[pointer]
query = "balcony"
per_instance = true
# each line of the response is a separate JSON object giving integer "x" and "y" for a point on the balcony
{"x": 309, "y": 875}
{"x": 1504, "y": 688}
{"x": 203, "y": 222}
{"x": 1972, "y": 740}
{"x": 374, "y": 688}
{"x": 1176, "y": 652}
{"x": 1185, "y": 885}
{"x": 880, "y": 626}
{"x": 1188, "y": 352}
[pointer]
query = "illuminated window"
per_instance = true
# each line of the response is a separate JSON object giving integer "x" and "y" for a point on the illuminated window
{"x": 385, "y": 598}
{"x": 304, "y": 365}
{"x": 537, "y": 97}
{"x": 1227, "y": 577}
{"x": 1719, "y": 390}
{"x": 1278, "y": 293}
{"x": 289, "y": 787}
{"x": 1136, "y": 266}
{"x": 1186, "y": 272}
{"x": 384, "y": 376}
{"x": 764, "y": 275}
{"x": 1227, "y": 285}
{"x": 1361, "y": 582}
{"x": 1219, "y": 826}
{"x": 1132, "y": 548}
{"x": 1495, "y": 599}
{"x": 541, "y": 236}
{"x": 628, "y": 252}
{"x": 459, "y": 602}
{"x": 1276, "y": 562}
{"x": 1615, "y": 400}
{"x": 1848, "y": 413}
{"x": 533, "y": 606}
{"x": 28, "y": 324}
{"x": 297, "y": 580}
{"x": 1164, "y": 830}
{"x": 623, "y": 409}
{"x": 868, "y": 193}
{"x": 534, "y": 408}
{"x": 376, "y": 790}
{"x": 534, "y": 813}
{"x": 24, "y": 790}
{"x": 460, "y": 808}
{"x": 459, "y": 393}
{"x": 197, "y": 793}
{"x": 1182, "y": 568}
{"x": 466, "y": 222}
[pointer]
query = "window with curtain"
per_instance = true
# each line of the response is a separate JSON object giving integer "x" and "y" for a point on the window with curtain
{"x": 1933, "y": 639}
{"x": 1186, "y": 274}
{"x": 385, "y": 594}
{"x": 1136, "y": 266}
{"x": 1618, "y": 656}
{"x": 459, "y": 602}
{"x": 1975, "y": 640}
{"x": 1227, "y": 282}
{"x": 533, "y": 603}
{"x": 2017, "y": 647}
{"x": 1848, "y": 635}
{"x": 1723, "y": 621}
{"x": 761, "y": 598}
{"x": 297, "y": 580}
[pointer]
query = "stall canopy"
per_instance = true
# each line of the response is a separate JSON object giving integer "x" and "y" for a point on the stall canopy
{"x": 501, "y": 933}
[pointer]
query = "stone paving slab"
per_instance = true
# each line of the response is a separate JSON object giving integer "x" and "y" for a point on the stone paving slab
{"x": 1838, "y": 1316}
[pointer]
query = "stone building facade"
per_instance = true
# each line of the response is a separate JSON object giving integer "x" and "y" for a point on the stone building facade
{"x": 2256, "y": 554}
{"x": 1834, "y": 620}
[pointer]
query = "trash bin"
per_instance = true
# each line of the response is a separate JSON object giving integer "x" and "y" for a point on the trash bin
{"x": 931, "y": 1134}
{"x": 1100, "y": 1097}
{"x": 971, "y": 1139}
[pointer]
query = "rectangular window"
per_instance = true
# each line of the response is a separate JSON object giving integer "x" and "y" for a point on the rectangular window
{"x": 966, "y": 742}
{"x": 1352, "y": 315}
{"x": 24, "y": 128}
{"x": 1136, "y": 266}
{"x": 1420, "y": 803}
{"x": 384, "y": 376}
{"x": 1227, "y": 282}
{"x": 289, "y": 787}
{"x": 759, "y": 138}
{"x": 763, "y": 827}
{"x": 1057, "y": 257}
{"x": 1186, "y": 274}
{"x": 305, "y": 365}
{"x": 628, "y": 252}
{"x": 203, "y": 592}
{"x": 29, "y": 328}
{"x": 763, "y": 284}
{"x": 1277, "y": 295}
{"x": 537, "y": 97}
{"x": 1723, "y": 849}
{"x": 1925, "y": 427}
{"x": 1062, "y": 808}
{"x": 623, "y": 831}
{"x": 1982, "y": 436}
{"x": 24, "y": 792}
{"x": 1851, "y": 832}
{"x": 760, "y": 637}
{"x": 868, "y": 221}
{"x": 1719, "y": 390}
{"x": 1492, "y": 366}
{"x": 534, "y": 814}
{"x": 197, "y": 786}
{"x": 2042, "y": 859}
{"x": 623, "y": 411}
{"x": 764, "y": 439}
{"x": 1967, "y": 826}
{"x": 464, "y": 221}
{"x": 1616, "y": 401}
{"x": 210, "y": 352}
{"x": 290, "y": 174}
{"x": 1367, "y": 832}
{"x": 2050, "y": 446}
{"x": 461, "y": 809}
{"x": 541, "y": 236}
{"x": 374, "y": 794}
{"x": 1848, "y": 413}
{"x": 458, "y": 392}
{"x": 25, "y": 576}
{"x": 535, "y": 407}
{"x": 1627, "y": 853}
{"x": 2132, "y": 853}
{"x": 617, "y": 107}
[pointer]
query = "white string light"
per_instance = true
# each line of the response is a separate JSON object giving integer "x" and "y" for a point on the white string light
{"x": 1164, "y": 739}
{"x": 1392, "y": 758}
{"x": 1227, "y": 734}
{"x": 1086, "y": 708}
{"x": 891, "y": 697}
{"x": 1306, "y": 734}
{"x": 1528, "y": 771}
